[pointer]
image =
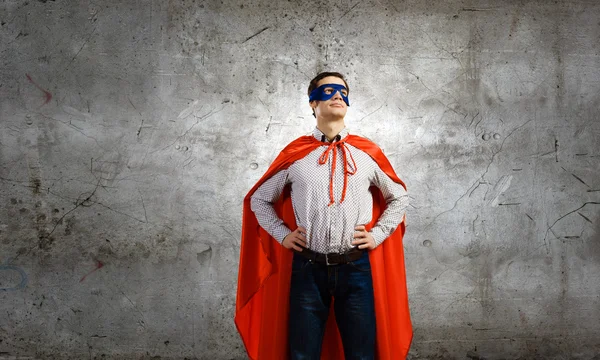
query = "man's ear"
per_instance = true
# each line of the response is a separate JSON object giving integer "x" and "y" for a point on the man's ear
{"x": 313, "y": 104}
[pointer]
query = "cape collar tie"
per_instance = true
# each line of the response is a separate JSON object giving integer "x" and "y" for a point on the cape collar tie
{"x": 348, "y": 170}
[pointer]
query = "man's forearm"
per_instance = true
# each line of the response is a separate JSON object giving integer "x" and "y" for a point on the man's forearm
{"x": 390, "y": 219}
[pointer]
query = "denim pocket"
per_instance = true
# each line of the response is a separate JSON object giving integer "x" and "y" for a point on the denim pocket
{"x": 299, "y": 264}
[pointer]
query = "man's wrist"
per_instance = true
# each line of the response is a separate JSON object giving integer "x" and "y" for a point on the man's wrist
{"x": 378, "y": 236}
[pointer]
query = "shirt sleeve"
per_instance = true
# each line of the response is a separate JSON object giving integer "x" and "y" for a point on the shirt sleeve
{"x": 396, "y": 199}
{"x": 261, "y": 203}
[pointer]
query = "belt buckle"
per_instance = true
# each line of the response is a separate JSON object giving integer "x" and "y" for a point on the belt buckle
{"x": 327, "y": 260}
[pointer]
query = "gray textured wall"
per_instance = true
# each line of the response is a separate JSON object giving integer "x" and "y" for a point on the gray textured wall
{"x": 130, "y": 132}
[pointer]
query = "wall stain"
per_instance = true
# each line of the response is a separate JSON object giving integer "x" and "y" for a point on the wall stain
{"x": 35, "y": 185}
{"x": 23, "y": 281}
{"x": 204, "y": 257}
{"x": 70, "y": 222}
{"x": 514, "y": 23}
{"x": 47, "y": 94}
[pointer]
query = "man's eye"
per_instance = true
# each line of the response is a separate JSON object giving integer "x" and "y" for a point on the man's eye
{"x": 344, "y": 92}
{"x": 328, "y": 91}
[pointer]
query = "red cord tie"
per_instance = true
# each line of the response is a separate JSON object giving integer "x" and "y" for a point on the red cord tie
{"x": 323, "y": 160}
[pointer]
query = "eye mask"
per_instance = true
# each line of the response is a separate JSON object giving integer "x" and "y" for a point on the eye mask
{"x": 321, "y": 93}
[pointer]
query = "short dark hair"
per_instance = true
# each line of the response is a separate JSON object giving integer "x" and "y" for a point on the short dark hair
{"x": 313, "y": 82}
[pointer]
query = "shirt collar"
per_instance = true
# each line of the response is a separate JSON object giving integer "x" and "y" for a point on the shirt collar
{"x": 318, "y": 134}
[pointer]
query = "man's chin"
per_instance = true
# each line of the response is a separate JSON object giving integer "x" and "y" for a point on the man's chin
{"x": 337, "y": 112}
{"x": 334, "y": 117}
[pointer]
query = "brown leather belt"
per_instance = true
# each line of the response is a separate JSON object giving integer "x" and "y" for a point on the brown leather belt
{"x": 332, "y": 258}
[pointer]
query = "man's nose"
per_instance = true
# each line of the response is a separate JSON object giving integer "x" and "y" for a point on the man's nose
{"x": 337, "y": 95}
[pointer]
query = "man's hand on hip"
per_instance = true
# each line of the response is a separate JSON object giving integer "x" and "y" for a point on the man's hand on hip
{"x": 296, "y": 239}
{"x": 363, "y": 238}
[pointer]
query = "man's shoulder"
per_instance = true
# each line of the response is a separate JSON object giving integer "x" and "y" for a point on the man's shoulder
{"x": 376, "y": 153}
{"x": 299, "y": 143}
{"x": 364, "y": 143}
{"x": 363, "y": 137}
{"x": 295, "y": 150}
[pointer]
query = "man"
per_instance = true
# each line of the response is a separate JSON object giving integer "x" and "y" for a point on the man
{"x": 316, "y": 208}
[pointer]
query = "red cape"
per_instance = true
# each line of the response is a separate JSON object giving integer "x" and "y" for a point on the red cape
{"x": 262, "y": 302}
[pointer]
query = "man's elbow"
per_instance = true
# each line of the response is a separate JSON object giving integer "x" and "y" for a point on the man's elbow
{"x": 256, "y": 204}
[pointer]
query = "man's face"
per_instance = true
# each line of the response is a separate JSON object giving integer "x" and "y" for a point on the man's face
{"x": 333, "y": 108}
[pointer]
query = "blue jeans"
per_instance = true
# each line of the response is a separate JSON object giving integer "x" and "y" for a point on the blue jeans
{"x": 312, "y": 287}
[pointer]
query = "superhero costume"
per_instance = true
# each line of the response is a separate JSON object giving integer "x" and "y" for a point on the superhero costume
{"x": 262, "y": 302}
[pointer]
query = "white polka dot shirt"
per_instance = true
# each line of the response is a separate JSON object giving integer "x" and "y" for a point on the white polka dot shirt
{"x": 330, "y": 226}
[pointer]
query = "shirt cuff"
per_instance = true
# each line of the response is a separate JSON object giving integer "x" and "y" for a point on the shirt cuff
{"x": 280, "y": 233}
{"x": 378, "y": 235}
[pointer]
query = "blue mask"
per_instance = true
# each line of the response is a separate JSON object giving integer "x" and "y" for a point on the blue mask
{"x": 327, "y": 91}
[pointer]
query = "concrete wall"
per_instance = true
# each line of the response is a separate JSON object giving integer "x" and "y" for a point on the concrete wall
{"x": 131, "y": 130}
